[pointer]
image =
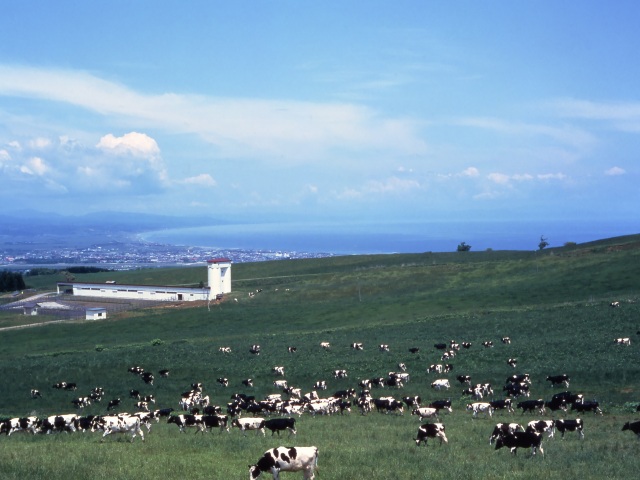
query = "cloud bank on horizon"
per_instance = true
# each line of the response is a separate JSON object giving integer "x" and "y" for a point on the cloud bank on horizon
{"x": 411, "y": 110}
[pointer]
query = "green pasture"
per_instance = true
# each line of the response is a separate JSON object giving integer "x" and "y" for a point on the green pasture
{"x": 554, "y": 305}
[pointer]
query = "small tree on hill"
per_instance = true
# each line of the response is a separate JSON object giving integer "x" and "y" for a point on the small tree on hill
{"x": 543, "y": 243}
{"x": 463, "y": 247}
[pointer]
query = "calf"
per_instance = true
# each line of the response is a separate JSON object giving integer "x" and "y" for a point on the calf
{"x": 516, "y": 440}
{"x": 633, "y": 426}
{"x": 502, "y": 429}
{"x": 431, "y": 430}
{"x": 286, "y": 459}
{"x": 570, "y": 426}
{"x": 280, "y": 424}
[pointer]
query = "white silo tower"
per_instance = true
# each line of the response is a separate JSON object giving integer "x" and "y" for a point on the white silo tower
{"x": 219, "y": 276}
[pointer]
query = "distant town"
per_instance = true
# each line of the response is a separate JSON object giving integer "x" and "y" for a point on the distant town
{"x": 131, "y": 255}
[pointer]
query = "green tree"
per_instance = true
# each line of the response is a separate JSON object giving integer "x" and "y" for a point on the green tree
{"x": 543, "y": 243}
{"x": 463, "y": 247}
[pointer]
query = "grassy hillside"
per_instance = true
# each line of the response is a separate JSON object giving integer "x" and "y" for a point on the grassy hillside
{"x": 554, "y": 304}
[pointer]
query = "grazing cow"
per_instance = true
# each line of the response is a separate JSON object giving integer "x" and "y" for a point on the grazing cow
{"x": 343, "y": 394}
{"x": 118, "y": 424}
{"x": 134, "y": 394}
{"x": 402, "y": 367}
{"x": 320, "y": 385}
{"x": 559, "y": 380}
{"x": 633, "y": 426}
{"x": 378, "y": 382}
{"x": 394, "y": 382}
{"x": 197, "y": 387}
{"x": 147, "y": 377}
{"x": 388, "y": 404}
{"x": 516, "y": 440}
{"x": 441, "y": 405}
{"x": 505, "y": 404}
{"x": 541, "y": 426}
{"x": 282, "y": 384}
{"x": 480, "y": 407}
{"x": 247, "y": 382}
{"x": 286, "y": 459}
{"x": 255, "y": 349}
{"x": 223, "y": 381}
{"x": 464, "y": 379}
{"x": 224, "y": 349}
{"x": 142, "y": 406}
{"x": 556, "y": 404}
{"x": 569, "y": 425}
{"x": 502, "y": 429}
{"x": 431, "y": 430}
{"x": 532, "y": 406}
{"x": 72, "y": 387}
{"x": 434, "y": 368}
{"x": 414, "y": 350}
{"x": 614, "y": 304}
{"x": 466, "y": 345}
{"x": 412, "y": 401}
{"x": 425, "y": 412}
{"x": 148, "y": 399}
{"x": 512, "y": 362}
{"x": 440, "y": 346}
{"x": 516, "y": 389}
{"x": 402, "y": 376}
{"x": 292, "y": 349}
{"x": 506, "y": 340}
{"x": 60, "y": 385}
{"x": 254, "y": 423}
{"x": 440, "y": 384}
{"x": 487, "y": 344}
{"x": 163, "y": 412}
{"x": 136, "y": 370}
{"x": 365, "y": 383}
{"x": 81, "y": 402}
{"x": 278, "y": 370}
{"x": 325, "y": 345}
{"x": 113, "y": 404}
{"x": 622, "y": 341}
{"x": 35, "y": 393}
{"x": 187, "y": 420}
{"x": 583, "y": 406}
{"x": 519, "y": 378}
{"x": 568, "y": 397}
{"x": 281, "y": 424}
{"x": 357, "y": 346}
{"x": 164, "y": 373}
{"x": 340, "y": 374}
{"x": 383, "y": 347}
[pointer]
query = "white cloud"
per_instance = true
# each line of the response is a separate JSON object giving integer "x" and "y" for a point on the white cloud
{"x": 470, "y": 172}
{"x": 4, "y": 156}
{"x": 204, "y": 179}
{"x": 39, "y": 143}
{"x": 134, "y": 143}
{"x": 276, "y": 129}
{"x": 35, "y": 166}
{"x": 499, "y": 178}
{"x": 615, "y": 171}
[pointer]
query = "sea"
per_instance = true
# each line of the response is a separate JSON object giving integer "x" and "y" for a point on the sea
{"x": 390, "y": 237}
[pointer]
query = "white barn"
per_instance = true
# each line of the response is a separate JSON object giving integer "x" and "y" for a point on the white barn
{"x": 218, "y": 276}
{"x": 96, "y": 313}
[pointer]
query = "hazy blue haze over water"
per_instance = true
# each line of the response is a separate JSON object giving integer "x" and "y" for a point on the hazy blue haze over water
{"x": 389, "y": 237}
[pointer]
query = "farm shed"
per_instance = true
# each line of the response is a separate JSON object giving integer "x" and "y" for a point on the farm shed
{"x": 96, "y": 313}
{"x": 30, "y": 308}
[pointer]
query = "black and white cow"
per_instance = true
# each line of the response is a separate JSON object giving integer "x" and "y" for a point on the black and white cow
{"x": 516, "y": 440}
{"x": 388, "y": 404}
{"x": 325, "y": 345}
{"x": 214, "y": 421}
{"x": 281, "y": 424}
{"x": 292, "y": 349}
{"x": 412, "y": 402}
{"x": 506, "y": 340}
{"x": 487, "y": 344}
{"x": 414, "y": 350}
{"x": 441, "y": 346}
{"x": 357, "y": 346}
{"x": 81, "y": 402}
{"x": 512, "y": 362}
{"x": 278, "y": 370}
{"x": 569, "y": 425}
{"x": 35, "y": 393}
{"x": 441, "y": 405}
{"x": 136, "y": 370}
{"x": 224, "y": 349}
{"x": 147, "y": 377}
{"x": 464, "y": 379}
{"x": 431, "y": 430}
{"x": 440, "y": 384}
{"x": 247, "y": 382}
{"x": 502, "y": 429}
{"x": 590, "y": 406}
{"x": 480, "y": 407}
{"x": 164, "y": 373}
{"x": 632, "y": 426}
{"x": 425, "y": 412}
{"x": 246, "y": 423}
{"x": 532, "y": 406}
{"x": 622, "y": 341}
{"x": 340, "y": 374}
{"x": 517, "y": 389}
{"x": 320, "y": 385}
{"x": 505, "y": 404}
{"x": 24, "y": 424}
{"x": 519, "y": 378}
{"x": 223, "y": 381}
{"x": 383, "y": 347}
{"x": 254, "y": 349}
{"x": 559, "y": 380}
{"x": 124, "y": 424}
{"x": 286, "y": 459}
{"x": 59, "y": 423}
{"x": 542, "y": 426}
{"x": 184, "y": 421}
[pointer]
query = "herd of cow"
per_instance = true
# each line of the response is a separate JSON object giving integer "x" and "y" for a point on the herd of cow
{"x": 245, "y": 412}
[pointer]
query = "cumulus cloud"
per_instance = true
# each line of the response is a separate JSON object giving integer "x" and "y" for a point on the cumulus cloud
{"x": 470, "y": 172}
{"x": 133, "y": 143}
{"x": 34, "y": 166}
{"x": 613, "y": 171}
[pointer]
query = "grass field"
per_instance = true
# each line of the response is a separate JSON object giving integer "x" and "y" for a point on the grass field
{"x": 553, "y": 304}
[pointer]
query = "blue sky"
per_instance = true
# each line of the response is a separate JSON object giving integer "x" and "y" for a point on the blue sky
{"x": 339, "y": 110}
